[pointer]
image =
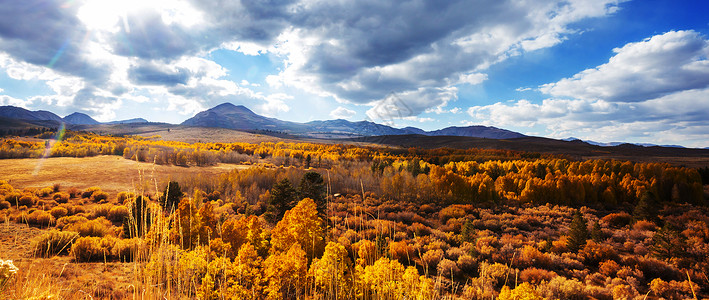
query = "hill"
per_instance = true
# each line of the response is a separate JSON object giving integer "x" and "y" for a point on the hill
{"x": 20, "y": 113}
{"x": 80, "y": 119}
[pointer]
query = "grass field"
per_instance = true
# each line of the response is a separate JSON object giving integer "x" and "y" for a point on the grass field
{"x": 113, "y": 174}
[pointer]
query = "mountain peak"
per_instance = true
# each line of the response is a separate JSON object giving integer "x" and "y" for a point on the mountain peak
{"x": 80, "y": 119}
{"x": 228, "y": 106}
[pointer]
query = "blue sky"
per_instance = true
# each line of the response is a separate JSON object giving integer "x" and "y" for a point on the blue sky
{"x": 602, "y": 70}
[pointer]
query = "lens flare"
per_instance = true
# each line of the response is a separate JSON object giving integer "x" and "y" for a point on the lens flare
{"x": 49, "y": 144}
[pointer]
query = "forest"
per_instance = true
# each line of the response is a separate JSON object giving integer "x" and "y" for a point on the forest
{"x": 337, "y": 221}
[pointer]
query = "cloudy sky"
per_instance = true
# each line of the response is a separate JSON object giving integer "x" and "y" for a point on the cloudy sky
{"x": 603, "y": 70}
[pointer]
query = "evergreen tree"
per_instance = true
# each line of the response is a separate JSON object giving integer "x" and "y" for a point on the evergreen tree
{"x": 596, "y": 233}
{"x": 312, "y": 186}
{"x": 578, "y": 232}
{"x": 138, "y": 222}
{"x": 283, "y": 197}
{"x": 467, "y": 231}
{"x": 668, "y": 242}
{"x": 647, "y": 208}
{"x": 171, "y": 196}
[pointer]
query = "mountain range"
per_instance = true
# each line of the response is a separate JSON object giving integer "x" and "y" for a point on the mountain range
{"x": 239, "y": 117}
{"x": 43, "y": 116}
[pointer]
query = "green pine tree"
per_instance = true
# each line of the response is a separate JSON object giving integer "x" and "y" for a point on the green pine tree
{"x": 283, "y": 197}
{"x": 668, "y": 242}
{"x": 312, "y": 186}
{"x": 578, "y": 232}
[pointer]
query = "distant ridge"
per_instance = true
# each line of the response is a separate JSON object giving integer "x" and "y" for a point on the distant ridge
{"x": 80, "y": 119}
{"x": 42, "y": 116}
{"x": 239, "y": 117}
{"x": 129, "y": 121}
{"x": 14, "y": 112}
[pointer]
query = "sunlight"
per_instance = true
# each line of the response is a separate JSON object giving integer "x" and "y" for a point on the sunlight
{"x": 108, "y": 15}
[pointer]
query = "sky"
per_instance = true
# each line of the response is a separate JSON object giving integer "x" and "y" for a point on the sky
{"x": 600, "y": 70}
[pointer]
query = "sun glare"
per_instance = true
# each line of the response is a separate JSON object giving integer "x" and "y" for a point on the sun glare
{"x": 108, "y": 15}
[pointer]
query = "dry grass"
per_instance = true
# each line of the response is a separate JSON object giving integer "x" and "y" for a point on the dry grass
{"x": 113, "y": 174}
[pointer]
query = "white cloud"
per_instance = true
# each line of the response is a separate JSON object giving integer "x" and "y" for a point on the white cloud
{"x": 657, "y": 66}
{"x": 342, "y": 113}
{"x": 673, "y": 119}
{"x": 7, "y": 100}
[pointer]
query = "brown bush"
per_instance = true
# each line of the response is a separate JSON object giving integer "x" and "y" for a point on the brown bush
{"x": 73, "y": 192}
{"x": 13, "y": 197}
{"x": 66, "y": 220}
{"x": 123, "y": 196}
{"x": 45, "y": 192}
{"x": 101, "y": 210}
{"x": 448, "y": 269}
{"x": 618, "y": 220}
{"x": 99, "y": 197}
{"x": 593, "y": 253}
{"x": 90, "y": 191}
{"x": 27, "y": 200}
{"x": 97, "y": 228}
{"x": 644, "y": 225}
{"x": 61, "y": 197}
{"x": 431, "y": 258}
{"x": 53, "y": 243}
{"x": 536, "y": 276}
{"x": 40, "y": 218}
{"x": 87, "y": 249}
{"x": 453, "y": 211}
{"x": 59, "y": 212}
{"x": 401, "y": 251}
{"x": 609, "y": 268}
{"x": 117, "y": 213}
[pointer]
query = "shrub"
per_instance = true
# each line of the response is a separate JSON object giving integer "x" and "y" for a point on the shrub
{"x": 99, "y": 196}
{"x": 90, "y": 191}
{"x": 609, "y": 268}
{"x": 117, "y": 213}
{"x": 536, "y": 276}
{"x": 58, "y": 212}
{"x": 27, "y": 200}
{"x": 4, "y": 204}
{"x": 594, "y": 253}
{"x": 618, "y": 220}
{"x": 453, "y": 211}
{"x": 123, "y": 196}
{"x": 101, "y": 210}
{"x": 448, "y": 269}
{"x": 87, "y": 249}
{"x": 61, "y": 197}
{"x": 97, "y": 228}
{"x": 66, "y": 220}
{"x": 45, "y": 192}
{"x": 13, "y": 197}
{"x": 73, "y": 192}
{"x": 40, "y": 218}
{"x": 560, "y": 287}
{"x": 54, "y": 243}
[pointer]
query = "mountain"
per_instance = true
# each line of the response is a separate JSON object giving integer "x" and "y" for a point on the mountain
{"x": 129, "y": 121}
{"x": 20, "y": 113}
{"x": 613, "y": 144}
{"x": 477, "y": 131}
{"x": 80, "y": 119}
{"x": 344, "y": 127}
{"x": 231, "y": 116}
